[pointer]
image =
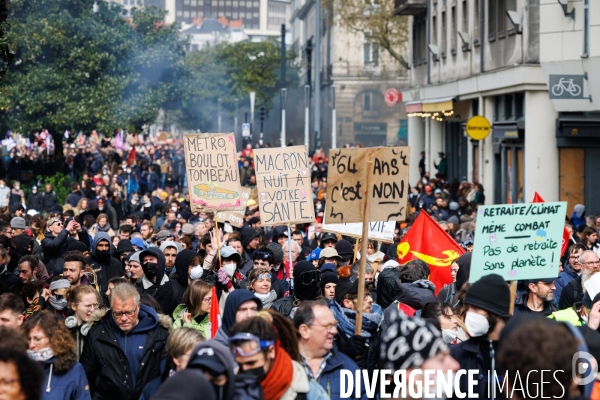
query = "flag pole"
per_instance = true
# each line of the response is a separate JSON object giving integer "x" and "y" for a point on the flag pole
{"x": 363, "y": 257}
{"x": 218, "y": 239}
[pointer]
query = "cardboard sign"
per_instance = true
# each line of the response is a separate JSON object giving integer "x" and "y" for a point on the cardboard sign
{"x": 388, "y": 184}
{"x": 283, "y": 185}
{"x": 212, "y": 171}
{"x": 379, "y": 231}
{"x": 518, "y": 241}
{"x": 236, "y": 217}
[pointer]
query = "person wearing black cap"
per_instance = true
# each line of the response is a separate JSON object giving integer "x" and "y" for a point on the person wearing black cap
{"x": 329, "y": 280}
{"x": 124, "y": 248}
{"x": 306, "y": 287}
{"x": 328, "y": 239}
{"x": 538, "y": 298}
{"x": 250, "y": 242}
{"x": 488, "y": 302}
{"x": 254, "y": 222}
{"x": 345, "y": 251}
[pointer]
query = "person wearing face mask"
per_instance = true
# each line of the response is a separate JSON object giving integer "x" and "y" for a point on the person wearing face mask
{"x": 214, "y": 360}
{"x": 228, "y": 275}
{"x": 34, "y": 200}
{"x": 442, "y": 317}
{"x": 16, "y": 196}
{"x": 4, "y": 194}
{"x": 306, "y": 287}
{"x": 57, "y": 302}
{"x": 187, "y": 268}
{"x": 488, "y": 302}
{"x": 153, "y": 264}
{"x": 195, "y": 310}
{"x": 104, "y": 265}
{"x": 50, "y": 343}
{"x": 423, "y": 348}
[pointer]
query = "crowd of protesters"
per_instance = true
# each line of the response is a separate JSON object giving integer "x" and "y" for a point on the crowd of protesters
{"x": 113, "y": 292}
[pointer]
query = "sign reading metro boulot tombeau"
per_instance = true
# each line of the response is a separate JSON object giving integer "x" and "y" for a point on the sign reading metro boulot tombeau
{"x": 212, "y": 171}
{"x": 387, "y": 190}
{"x": 283, "y": 185}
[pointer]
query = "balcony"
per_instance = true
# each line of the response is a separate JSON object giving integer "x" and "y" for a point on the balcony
{"x": 409, "y": 7}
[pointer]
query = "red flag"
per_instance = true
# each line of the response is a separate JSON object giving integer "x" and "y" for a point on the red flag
{"x": 427, "y": 241}
{"x": 215, "y": 314}
{"x": 566, "y": 235}
{"x": 131, "y": 156}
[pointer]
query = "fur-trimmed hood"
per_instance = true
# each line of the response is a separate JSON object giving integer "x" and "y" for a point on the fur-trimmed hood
{"x": 63, "y": 363}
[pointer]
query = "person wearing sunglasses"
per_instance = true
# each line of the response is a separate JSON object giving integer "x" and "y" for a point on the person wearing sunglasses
{"x": 57, "y": 240}
{"x": 306, "y": 287}
{"x": 57, "y": 302}
{"x": 259, "y": 282}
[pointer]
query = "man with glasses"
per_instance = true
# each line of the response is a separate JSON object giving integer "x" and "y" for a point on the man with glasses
{"x": 316, "y": 327}
{"x": 124, "y": 351}
{"x": 573, "y": 292}
{"x": 54, "y": 245}
{"x": 571, "y": 270}
{"x": 306, "y": 287}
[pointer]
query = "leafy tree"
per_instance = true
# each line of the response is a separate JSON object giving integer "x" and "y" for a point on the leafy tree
{"x": 374, "y": 19}
{"x": 229, "y": 71}
{"x": 6, "y": 56}
{"x": 81, "y": 66}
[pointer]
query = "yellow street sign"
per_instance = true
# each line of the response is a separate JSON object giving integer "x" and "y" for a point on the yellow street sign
{"x": 478, "y": 127}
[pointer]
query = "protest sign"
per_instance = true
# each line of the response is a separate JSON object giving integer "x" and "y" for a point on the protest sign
{"x": 236, "y": 217}
{"x": 518, "y": 241}
{"x": 283, "y": 185}
{"x": 386, "y": 193}
{"x": 379, "y": 231}
{"x": 212, "y": 171}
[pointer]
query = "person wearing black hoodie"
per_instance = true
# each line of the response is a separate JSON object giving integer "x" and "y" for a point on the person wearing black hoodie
{"x": 56, "y": 241}
{"x": 214, "y": 359}
{"x": 102, "y": 263}
{"x": 306, "y": 287}
{"x": 238, "y": 307}
{"x": 186, "y": 385}
{"x": 153, "y": 263}
{"x": 170, "y": 295}
{"x": 250, "y": 242}
{"x": 125, "y": 349}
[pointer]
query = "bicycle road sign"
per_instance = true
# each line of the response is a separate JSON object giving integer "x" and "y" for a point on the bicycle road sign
{"x": 566, "y": 87}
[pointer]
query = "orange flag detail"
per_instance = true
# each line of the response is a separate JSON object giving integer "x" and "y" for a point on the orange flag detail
{"x": 427, "y": 241}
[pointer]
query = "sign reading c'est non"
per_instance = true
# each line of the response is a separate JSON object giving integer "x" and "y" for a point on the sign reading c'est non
{"x": 478, "y": 127}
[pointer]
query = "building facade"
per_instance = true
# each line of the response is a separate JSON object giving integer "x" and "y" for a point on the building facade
{"x": 494, "y": 58}
{"x": 360, "y": 74}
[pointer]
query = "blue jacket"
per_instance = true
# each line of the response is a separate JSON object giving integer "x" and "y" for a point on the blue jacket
{"x": 70, "y": 385}
{"x": 563, "y": 280}
{"x": 331, "y": 377}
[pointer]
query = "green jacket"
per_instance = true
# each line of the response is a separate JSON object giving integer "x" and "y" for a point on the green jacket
{"x": 203, "y": 327}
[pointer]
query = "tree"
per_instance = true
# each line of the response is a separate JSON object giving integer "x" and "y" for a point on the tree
{"x": 81, "y": 66}
{"x": 373, "y": 19}
{"x": 228, "y": 71}
{"x": 6, "y": 56}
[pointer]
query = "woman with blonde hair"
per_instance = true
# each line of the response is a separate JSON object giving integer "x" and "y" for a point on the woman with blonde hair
{"x": 83, "y": 300}
{"x": 102, "y": 225}
{"x": 259, "y": 283}
{"x": 82, "y": 205}
{"x": 194, "y": 313}
{"x": 51, "y": 344}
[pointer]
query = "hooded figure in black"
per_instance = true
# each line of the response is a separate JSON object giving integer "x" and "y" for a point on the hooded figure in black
{"x": 186, "y": 385}
{"x": 154, "y": 273}
{"x": 232, "y": 304}
{"x": 215, "y": 358}
{"x": 170, "y": 295}
{"x": 306, "y": 287}
{"x": 448, "y": 293}
{"x": 247, "y": 234}
{"x": 104, "y": 265}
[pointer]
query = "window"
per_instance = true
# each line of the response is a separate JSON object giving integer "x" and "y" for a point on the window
{"x": 586, "y": 28}
{"x": 465, "y": 16}
{"x": 419, "y": 44}
{"x": 476, "y": 21}
{"x": 371, "y": 104}
{"x": 496, "y": 19}
{"x": 371, "y": 52}
{"x": 453, "y": 30}
{"x": 444, "y": 34}
{"x": 434, "y": 30}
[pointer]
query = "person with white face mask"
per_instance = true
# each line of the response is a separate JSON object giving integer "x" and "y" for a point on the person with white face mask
{"x": 488, "y": 302}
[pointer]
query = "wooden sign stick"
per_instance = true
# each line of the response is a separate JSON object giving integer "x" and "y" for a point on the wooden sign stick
{"x": 363, "y": 256}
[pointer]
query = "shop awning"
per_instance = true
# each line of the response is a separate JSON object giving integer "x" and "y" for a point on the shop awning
{"x": 430, "y": 105}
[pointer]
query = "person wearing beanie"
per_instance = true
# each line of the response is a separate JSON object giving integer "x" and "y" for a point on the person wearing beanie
{"x": 345, "y": 251}
{"x": 281, "y": 274}
{"x": 170, "y": 249}
{"x": 306, "y": 287}
{"x": 488, "y": 302}
{"x": 538, "y": 299}
{"x": 423, "y": 348}
{"x": 329, "y": 280}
